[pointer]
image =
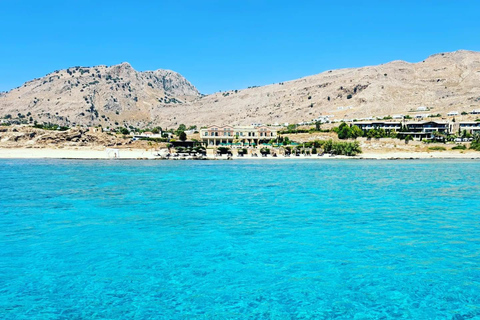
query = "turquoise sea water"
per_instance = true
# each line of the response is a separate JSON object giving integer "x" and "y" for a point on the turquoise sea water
{"x": 287, "y": 239}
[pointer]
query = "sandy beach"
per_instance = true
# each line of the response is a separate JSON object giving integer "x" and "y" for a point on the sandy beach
{"x": 130, "y": 153}
{"x": 77, "y": 153}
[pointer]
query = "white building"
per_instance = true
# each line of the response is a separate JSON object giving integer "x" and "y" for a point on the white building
{"x": 241, "y": 135}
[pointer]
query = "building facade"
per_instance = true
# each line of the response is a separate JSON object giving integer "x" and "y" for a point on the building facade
{"x": 420, "y": 129}
{"x": 387, "y": 126}
{"x": 470, "y": 127}
{"x": 239, "y": 135}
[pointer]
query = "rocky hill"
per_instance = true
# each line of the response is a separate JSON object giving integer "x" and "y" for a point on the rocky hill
{"x": 109, "y": 96}
{"x": 443, "y": 82}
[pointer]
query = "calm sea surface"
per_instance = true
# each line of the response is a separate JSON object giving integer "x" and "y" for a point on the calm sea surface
{"x": 288, "y": 239}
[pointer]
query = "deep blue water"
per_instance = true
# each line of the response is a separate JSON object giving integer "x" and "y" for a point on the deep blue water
{"x": 287, "y": 239}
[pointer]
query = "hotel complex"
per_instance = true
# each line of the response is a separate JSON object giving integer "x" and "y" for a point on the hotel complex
{"x": 421, "y": 129}
{"x": 241, "y": 135}
{"x": 254, "y": 135}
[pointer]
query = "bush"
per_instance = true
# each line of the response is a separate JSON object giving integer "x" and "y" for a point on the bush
{"x": 459, "y": 147}
{"x": 342, "y": 148}
{"x": 437, "y": 148}
{"x": 475, "y": 145}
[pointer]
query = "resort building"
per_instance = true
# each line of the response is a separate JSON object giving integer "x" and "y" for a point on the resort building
{"x": 240, "y": 135}
{"x": 387, "y": 126}
{"x": 417, "y": 129}
{"x": 471, "y": 127}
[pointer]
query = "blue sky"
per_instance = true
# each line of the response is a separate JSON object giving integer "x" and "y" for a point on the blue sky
{"x": 228, "y": 44}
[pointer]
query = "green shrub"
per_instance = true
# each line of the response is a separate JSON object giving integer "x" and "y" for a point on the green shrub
{"x": 342, "y": 148}
{"x": 437, "y": 148}
{"x": 459, "y": 147}
{"x": 475, "y": 145}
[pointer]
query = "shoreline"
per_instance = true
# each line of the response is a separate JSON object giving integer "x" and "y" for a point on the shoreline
{"x": 143, "y": 154}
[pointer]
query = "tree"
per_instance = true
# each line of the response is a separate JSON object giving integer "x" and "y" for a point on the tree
{"x": 181, "y": 128}
{"x": 124, "y": 131}
{"x": 344, "y": 131}
{"x": 182, "y": 136}
{"x": 317, "y": 125}
{"x": 356, "y": 131}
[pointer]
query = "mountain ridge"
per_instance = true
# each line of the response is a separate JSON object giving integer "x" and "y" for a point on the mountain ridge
{"x": 121, "y": 96}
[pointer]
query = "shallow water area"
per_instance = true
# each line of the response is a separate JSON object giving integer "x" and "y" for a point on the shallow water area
{"x": 300, "y": 239}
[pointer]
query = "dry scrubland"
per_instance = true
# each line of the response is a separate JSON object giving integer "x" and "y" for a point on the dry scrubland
{"x": 12, "y": 137}
{"x": 119, "y": 95}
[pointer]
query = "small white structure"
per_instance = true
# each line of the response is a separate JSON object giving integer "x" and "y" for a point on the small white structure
{"x": 452, "y": 113}
{"x": 422, "y": 108}
{"x": 112, "y": 153}
{"x": 475, "y": 111}
{"x": 397, "y": 116}
{"x": 147, "y": 134}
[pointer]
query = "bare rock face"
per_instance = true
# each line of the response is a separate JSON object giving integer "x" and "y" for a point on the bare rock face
{"x": 119, "y": 95}
{"x": 107, "y": 96}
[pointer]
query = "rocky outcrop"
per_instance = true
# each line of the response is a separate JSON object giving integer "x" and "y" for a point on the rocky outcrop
{"x": 107, "y": 96}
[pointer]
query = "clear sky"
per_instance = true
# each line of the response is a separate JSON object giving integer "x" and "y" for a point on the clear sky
{"x": 228, "y": 44}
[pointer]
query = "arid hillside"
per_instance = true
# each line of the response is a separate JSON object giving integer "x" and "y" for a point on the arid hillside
{"x": 119, "y": 95}
{"x": 107, "y": 96}
{"x": 443, "y": 82}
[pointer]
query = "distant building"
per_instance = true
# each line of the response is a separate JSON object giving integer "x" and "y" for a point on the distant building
{"x": 475, "y": 111}
{"x": 452, "y": 113}
{"x": 471, "y": 127}
{"x": 147, "y": 135}
{"x": 387, "y": 126}
{"x": 422, "y": 108}
{"x": 421, "y": 116}
{"x": 425, "y": 129}
{"x": 418, "y": 130}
